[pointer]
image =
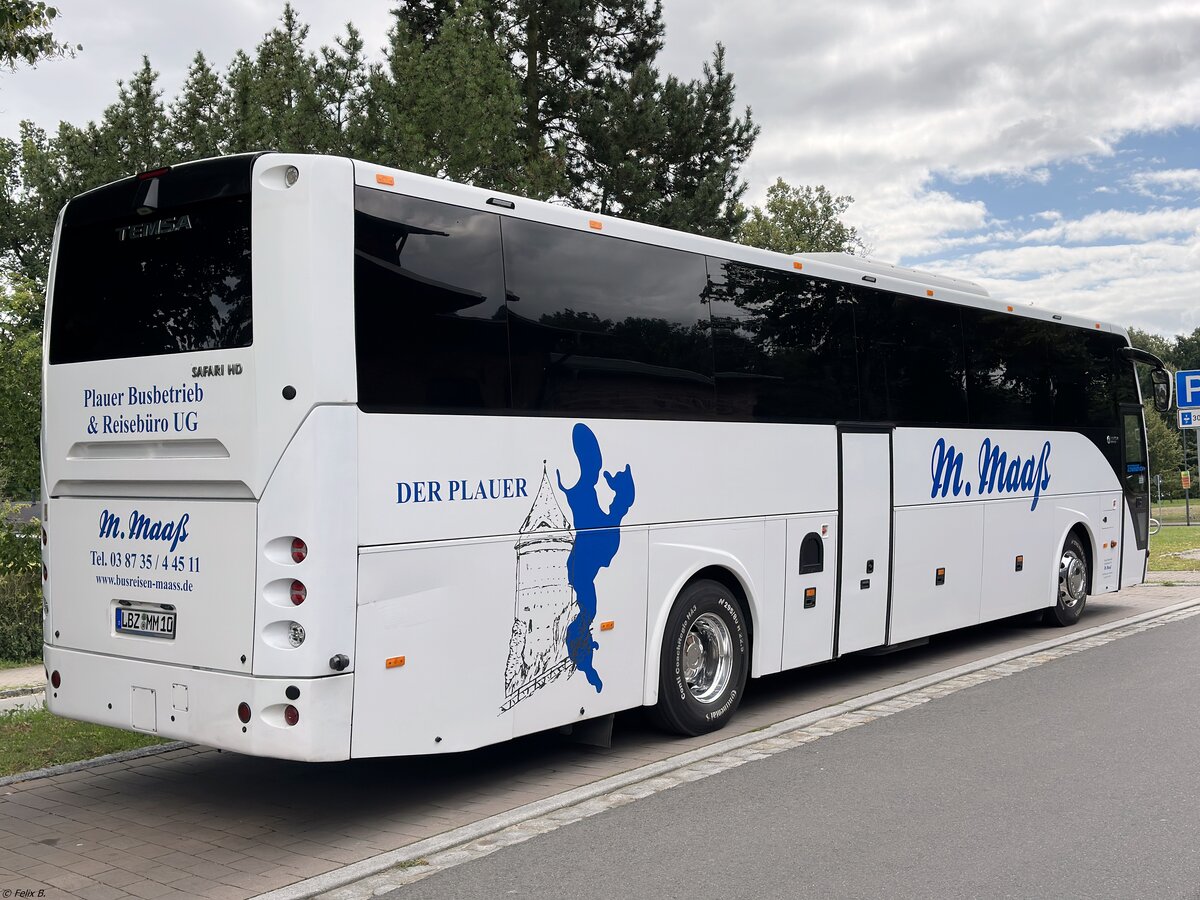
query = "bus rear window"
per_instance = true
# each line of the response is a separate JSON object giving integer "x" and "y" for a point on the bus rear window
{"x": 173, "y": 277}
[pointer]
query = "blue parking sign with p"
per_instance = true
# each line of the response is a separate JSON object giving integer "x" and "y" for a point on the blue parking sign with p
{"x": 1187, "y": 389}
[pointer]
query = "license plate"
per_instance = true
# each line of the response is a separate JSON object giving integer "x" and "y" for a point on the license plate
{"x": 157, "y": 624}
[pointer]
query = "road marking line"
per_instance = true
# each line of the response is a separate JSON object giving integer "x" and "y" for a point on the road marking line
{"x": 414, "y": 862}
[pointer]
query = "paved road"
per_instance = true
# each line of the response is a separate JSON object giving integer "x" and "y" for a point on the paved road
{"x": 193, "y": 822}
{"x": 1077, "y": 778}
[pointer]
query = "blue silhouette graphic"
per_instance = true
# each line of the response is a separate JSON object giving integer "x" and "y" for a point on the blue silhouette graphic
{"x": 597, "y": 539}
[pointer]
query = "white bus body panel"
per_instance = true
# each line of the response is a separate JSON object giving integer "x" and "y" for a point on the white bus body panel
{"x": 951, "y": 513}
{"x": 469, "y": 492}
{"x": 808, "y": 631}
{"x": 200, "y": 705}
{"x": 310, "y": 495}
{"x": 222, "y": 436}
{"x": 682, "y": 471}
{"x": 866, "y": 518}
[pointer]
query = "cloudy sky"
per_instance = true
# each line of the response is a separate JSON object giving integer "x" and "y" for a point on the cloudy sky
{"x": 1049, "y": 151}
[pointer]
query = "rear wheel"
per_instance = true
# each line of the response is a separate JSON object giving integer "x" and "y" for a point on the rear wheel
{"x": 1073, "y": 578}
{"x": 704, "y": 662}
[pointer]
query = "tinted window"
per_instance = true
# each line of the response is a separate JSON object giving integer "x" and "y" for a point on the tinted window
{"x": 1126, "y": 378}
{"x": 911, "y": 366}
{"x": 784, "y": 345}
{"x": 429, "y": 305}
{"x": 173, "y": 279}
{"x": 601, "y": 326}
{"x": 1008, "y": 369}
{"x": 1082, "y": 377}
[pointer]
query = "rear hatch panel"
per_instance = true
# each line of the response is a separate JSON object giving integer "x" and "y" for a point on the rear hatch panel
{"x": 185, "y": 565}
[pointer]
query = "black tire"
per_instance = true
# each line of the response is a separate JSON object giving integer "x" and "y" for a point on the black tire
{"x": 1074, "y": 579}
{"x": 706, "y": 636}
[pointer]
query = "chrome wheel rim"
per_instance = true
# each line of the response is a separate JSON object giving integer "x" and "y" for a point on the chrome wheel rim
{"x": 708, "y": 657}
{"x": 1072, "y": 579}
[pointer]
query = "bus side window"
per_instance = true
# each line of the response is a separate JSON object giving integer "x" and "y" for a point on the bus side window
{"x": 430, "y": 328}
{"x": 604, "y": 326}
{"x": 812, "y": 554}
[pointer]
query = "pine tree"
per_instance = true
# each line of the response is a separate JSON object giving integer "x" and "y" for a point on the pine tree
{"x": 597, "y": 124}
{"x": 132, "y": 131}
{"x": 447, "y": 103}
{"x": 697, "y": 185}
{"x": 198, "y": 128}
{"x": 237, "y": 106}
{"x": 468, "y": 105}
{"x": 282, "y": 110}
{"x": 344, "y": 93}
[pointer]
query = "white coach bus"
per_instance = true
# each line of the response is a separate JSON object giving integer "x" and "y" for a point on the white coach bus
{"x": 341, "y": 461}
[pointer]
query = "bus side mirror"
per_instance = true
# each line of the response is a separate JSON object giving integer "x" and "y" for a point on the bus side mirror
{"x": 1161, "y": 380}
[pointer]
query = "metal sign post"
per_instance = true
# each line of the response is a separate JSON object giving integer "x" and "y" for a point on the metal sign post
{"x": 1187, "y": 398}
{"x": 1187, "y": 483}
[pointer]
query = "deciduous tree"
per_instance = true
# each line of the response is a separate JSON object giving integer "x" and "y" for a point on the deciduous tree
{"x": 25, "y": 33}
{"x": 803, "y": 219}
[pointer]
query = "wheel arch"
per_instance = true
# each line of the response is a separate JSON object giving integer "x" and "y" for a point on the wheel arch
{"x": 1078, "y": 525}
{"x": 727, "y": 572}
{"x": 1084, "y": 533}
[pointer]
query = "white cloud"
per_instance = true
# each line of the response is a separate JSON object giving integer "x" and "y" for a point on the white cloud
{"x": 888, "y": 102}
{"x": 1150, "y": 285}
{"x": 1164, "y": 183}
{"x": 1118, "y": 224}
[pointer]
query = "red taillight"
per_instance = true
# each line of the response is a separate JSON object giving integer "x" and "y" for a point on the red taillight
{"x": 298, "y": 592}
{"x": 244, "y": 712}
{"x": 55, "y": 679}
{"x": 291, "y": 715}
{"x": 299, "y": 550}
{"x": 154, "y": 173}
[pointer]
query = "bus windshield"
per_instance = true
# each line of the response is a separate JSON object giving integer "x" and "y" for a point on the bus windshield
{"x": 155, "y": 264}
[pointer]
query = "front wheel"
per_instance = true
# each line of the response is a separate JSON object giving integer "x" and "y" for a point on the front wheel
{"x": 1073, "y": 581}
{"x": 704, "y": 662}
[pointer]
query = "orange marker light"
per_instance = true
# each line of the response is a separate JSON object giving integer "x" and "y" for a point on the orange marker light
{"x": 797, "y": 265}
{"x": 380, "y": 178}
{"x": 1010, "y": 309}
{"x": 595, "y": 224}
{"x": 607, "y": 626}
{"x": 928, "y": 293}
{"x": 394, "y": 662}
{"x": 809, "y": 593}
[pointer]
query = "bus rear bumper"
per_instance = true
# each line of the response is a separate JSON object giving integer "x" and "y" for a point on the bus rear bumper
{"x": 201, "y": 706}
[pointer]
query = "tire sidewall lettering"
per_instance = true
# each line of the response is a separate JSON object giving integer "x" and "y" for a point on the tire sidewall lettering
{"x": 728, "y": 609}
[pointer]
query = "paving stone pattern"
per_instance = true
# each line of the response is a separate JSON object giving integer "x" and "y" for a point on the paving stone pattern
{"x": 193, "y": 822}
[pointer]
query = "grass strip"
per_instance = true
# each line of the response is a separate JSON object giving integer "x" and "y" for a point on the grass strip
{"x": 1167, "y": 546}
{"x": 36, "y": 738}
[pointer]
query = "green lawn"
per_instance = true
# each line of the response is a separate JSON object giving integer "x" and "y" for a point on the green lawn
{"x": 1166, "y": 546}
{"x": 34, "y": 738}
{"x": 19, "y": 663}
{"x": 1176, "y": 511}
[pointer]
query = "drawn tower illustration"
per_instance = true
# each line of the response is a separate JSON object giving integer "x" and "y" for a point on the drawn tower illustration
{"x": 545, "y": 603}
